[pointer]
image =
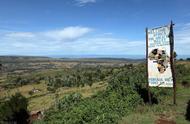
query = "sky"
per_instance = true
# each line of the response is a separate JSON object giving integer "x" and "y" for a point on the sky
{"x": 88, "y": 27}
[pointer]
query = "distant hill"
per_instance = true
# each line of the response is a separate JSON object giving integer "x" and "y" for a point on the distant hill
{"x": 23, "y": 58}
{"x": 12, "y": 59}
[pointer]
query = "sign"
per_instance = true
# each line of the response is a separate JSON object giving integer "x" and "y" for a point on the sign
{"x": 159, "y": 53}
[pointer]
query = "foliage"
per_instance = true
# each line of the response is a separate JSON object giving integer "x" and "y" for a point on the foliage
{"x": 69, "y": 101}
{"x": 77, "y": 77}
{"x": 123, "y": 94}
{"x": 51, "y": 89}
{"x": 14, "y": 110}
{"x": 73, "y": 110}
{"x": 20, "y": 80}
{"x": 188, "y": 111}
{"x": 74, "y": 77}
{"x": 183, "y": 74}
{"x": 30, "y": 92}
{"x": 120, "y": 98}
{"x": 126, "y": 90}
{"x": 175, "y": 55}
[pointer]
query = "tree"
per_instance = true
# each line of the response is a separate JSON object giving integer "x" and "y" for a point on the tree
{"x": 1, "y": 67}
{"x": 14, "y": 110}
{"x": 175, "y": 55}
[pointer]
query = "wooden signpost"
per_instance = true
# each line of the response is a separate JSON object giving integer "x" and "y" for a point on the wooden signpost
{"x": 149, "y": 95}
{"x": 172, "y": 61}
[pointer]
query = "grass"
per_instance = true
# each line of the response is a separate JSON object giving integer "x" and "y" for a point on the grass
{"x": 24, "y": 90}
{"x": 137, "y": 118}
{"x": 47, "y": 100}
{"x": 44, "y": 99}
{"x": 146, "y": 114}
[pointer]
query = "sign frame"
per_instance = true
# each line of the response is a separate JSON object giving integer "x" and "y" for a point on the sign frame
{"x": 171, "y": 43}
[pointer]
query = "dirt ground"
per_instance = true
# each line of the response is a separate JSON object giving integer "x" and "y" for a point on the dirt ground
{"x": 164, "y": 120}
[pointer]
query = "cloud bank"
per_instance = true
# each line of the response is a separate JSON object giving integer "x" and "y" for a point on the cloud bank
{"x": 78, "y": 40}
{"x": 65, "y": 34}
{"x": 69, "y": 40}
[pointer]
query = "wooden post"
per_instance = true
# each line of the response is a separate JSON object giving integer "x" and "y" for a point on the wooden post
{"x": 171, "y": 36}
{"x": 149, "y": 95}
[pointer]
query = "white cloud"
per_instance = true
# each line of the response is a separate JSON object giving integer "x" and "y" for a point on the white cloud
{"x": 66, "y": 34}
{"x": 20, "y": 34}
{"x": 84, "y": 2}
{"x": 108, "y": 46}
{"x": 69, "y": 33}
{"x": 77, "y": 40}
{"x": 54, "y": 42}
{"x": 182, "y": 38}
{"x": 47, "y": 41}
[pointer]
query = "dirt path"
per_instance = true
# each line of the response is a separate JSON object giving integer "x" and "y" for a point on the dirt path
{"x": 164, "y": 120}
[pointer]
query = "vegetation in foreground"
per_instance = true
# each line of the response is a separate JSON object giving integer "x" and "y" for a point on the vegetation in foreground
{"x": 14, "y": 110}
{"x": 124, "y": 100}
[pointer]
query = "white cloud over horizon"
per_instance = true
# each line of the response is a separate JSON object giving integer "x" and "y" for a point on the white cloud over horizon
{"x": 69, "y": 40}
{"x": 82, "y": 40}
{"x": 65, "y": 34}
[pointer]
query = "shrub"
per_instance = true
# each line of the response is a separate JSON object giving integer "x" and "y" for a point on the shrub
{"x": 69, "y": 100}
{"x": 106, "y": 107}
{"x": 124, "y": 92}
{"x": 14, "y": 110}
{"x": 30, "y": 92}
{"x": 51, "y": 89}
{"x": 185, "y": 83}
{"x": 187, "y": 115}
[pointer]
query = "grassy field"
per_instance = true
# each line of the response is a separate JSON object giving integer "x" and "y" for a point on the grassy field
{"x": 44, "y": 99}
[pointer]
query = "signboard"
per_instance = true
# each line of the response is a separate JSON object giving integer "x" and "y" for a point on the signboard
{"x": 159, "y": 65}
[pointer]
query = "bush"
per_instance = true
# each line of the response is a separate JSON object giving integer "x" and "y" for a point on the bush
{"x": 124, "y": 93}
{"x": 51, "y": 89}
{"x": 106, "y": 107}
{"x": 69, "y": 100}
{"x": 31, "y": 92}
{"x": 185, "y": 83}
{"x": 14, "y": 110}
{"x": 187, "y": 115}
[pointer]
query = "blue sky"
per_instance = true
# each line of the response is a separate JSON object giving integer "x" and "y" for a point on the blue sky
{"x": 88, "y": 27}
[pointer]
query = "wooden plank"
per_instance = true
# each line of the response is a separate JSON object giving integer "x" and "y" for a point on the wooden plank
{"x": 148, "y": 88}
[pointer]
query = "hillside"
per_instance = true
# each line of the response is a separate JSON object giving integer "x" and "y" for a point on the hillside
{"x": 101, "y": 90}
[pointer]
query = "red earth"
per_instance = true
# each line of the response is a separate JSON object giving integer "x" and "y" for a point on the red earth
{"x": 164, "y": 120}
